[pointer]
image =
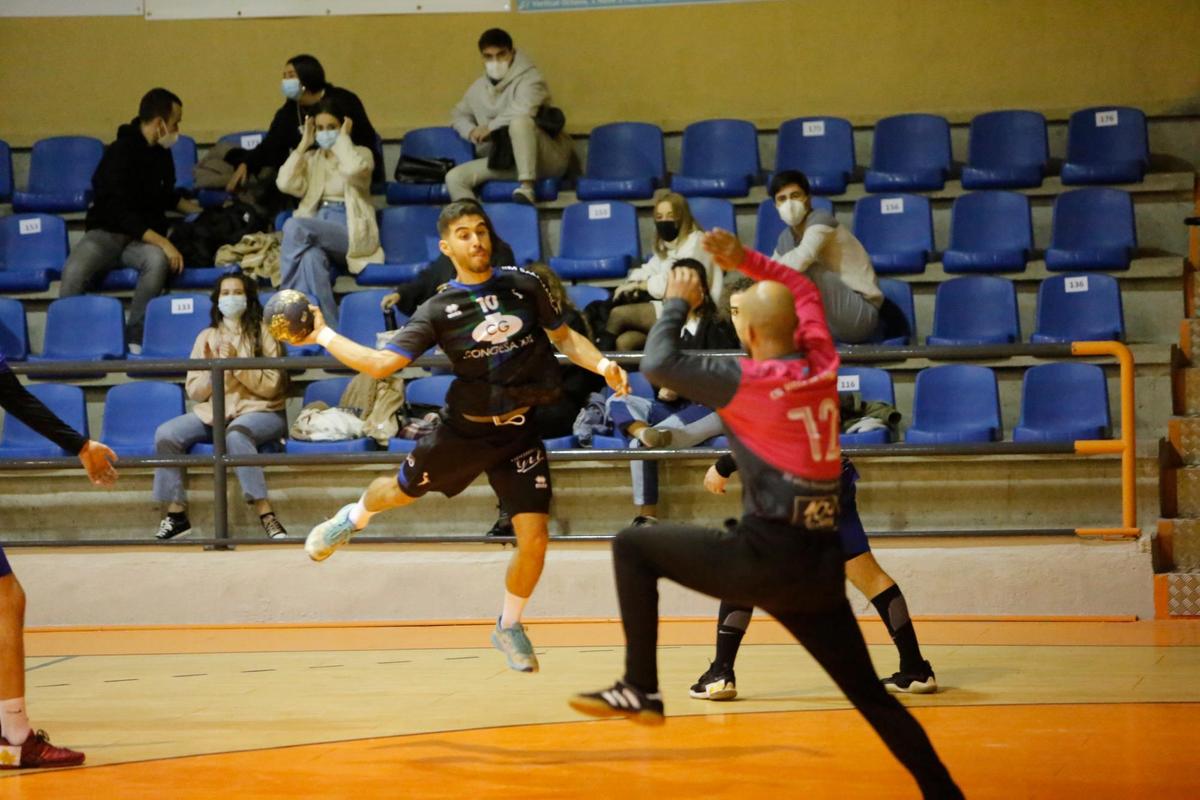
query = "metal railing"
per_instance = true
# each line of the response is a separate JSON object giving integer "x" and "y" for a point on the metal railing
{"x": 220, "y": 461}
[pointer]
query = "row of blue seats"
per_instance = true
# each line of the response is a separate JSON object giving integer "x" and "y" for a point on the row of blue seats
{"x": 911, "y": 152}
{"x": 1061, "y": 402}
{"x": 990, "y": 231}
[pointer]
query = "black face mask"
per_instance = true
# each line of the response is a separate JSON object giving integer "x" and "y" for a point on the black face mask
{"x": 668, "y": 229}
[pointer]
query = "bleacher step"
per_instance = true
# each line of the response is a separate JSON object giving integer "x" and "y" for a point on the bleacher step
{"x": 1184, "y": 433}
{"x": 1177, "y": 594}
{"x": 1193, "y": 327}
{"x": 1179, "y": 540}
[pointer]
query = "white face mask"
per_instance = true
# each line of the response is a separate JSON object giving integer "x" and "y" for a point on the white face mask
{"x": 496, "y": 69}
{"x": 793, "y": 212}
{"x": 168, "y": 139}
{"x": 232, "y": 306}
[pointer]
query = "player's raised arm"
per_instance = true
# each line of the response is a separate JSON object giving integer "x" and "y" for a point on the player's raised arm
{"x": 376, "y": 363}
{"x": 577, "y": 347}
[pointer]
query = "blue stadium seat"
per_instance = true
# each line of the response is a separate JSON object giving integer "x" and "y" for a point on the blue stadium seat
{"x": 33, "y": 249}
{"x": 20, "y": 441}
{"x": 199, "y": 277}
{"x": 435, "y": 142}
{"x": 598, "y": 240}
{"x": 409, "y": 237}
{"x": 60, "y": 174}
{"x": 14, "y": 330}
{"x": 246, "y": 140}
{"x": 911, "y": 153}
{"x": 955, "y": 403}
{"x": 582, "y": 296}
{"x": 1006, "y": 150}
{"x": 429, "y": 391}
{"x": 100, "y": 317}
{"x": 713, "y": 212}
{"x": 1092, "y": 229}
{"x": 720, "y": 159}
{"x": 897, "y": 232}
{"x": 769, "y": 225}
{"x": 900, "y": 294}
{"x": 978, "y": 309}
{"x": 6, "y": 173}
{"x": 133, "y": 412}
{"x": 517, "y": 224}
{"x": 172, "y": 324}
{"x": 545, "y": 189}
{"x": 328, "y": 391}
{"x": 361, "y": 318}
{"x": 873, "y": 385}
{"x": 624, "y": 162}
{"x": 820, "y": 147}
{"x": 1079, "y": 308}
{"x": 184, "y": 155}
{"x": 1063, "y": 402}
{"x": 989, "y": 232}
{"x": 1106, "y": 145}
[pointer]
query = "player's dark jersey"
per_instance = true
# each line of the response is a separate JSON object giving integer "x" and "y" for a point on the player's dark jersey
{"x": 495, "y": 336}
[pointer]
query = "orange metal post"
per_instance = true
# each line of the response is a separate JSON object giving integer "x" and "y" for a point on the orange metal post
{"x": 1126, "y": 445}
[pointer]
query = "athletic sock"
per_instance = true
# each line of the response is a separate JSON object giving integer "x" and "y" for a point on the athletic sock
{"x": 893, "y": 610}
{"x": 359, "y": 516}
{"x": 732, "y": 622}
{"x": 513, "y": 606}
{"x": 13, "y": 721}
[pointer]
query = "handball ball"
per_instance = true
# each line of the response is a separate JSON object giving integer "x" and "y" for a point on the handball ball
{"x": 288, "y": 316}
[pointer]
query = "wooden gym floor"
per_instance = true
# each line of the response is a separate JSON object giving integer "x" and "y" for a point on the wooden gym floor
{"x": 1053, "y": 709}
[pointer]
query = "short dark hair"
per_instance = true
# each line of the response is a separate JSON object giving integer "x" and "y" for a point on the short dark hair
{"x": 459, "y": 209}
{"x": 707, "y": 307}
{"x": 158, "y": 104}
{"x": 327, "y": 105}
{"x": 495, "y": 37}
{"x": 309, "y": 71}
{"x": 786, "y": 178}
{"x": 732, "y": 286}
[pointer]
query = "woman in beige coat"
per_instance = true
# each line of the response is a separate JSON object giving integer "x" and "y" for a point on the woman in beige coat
{"x": 335, "y": 223}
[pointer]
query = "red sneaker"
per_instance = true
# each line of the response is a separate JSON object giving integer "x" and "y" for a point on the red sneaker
{"x": 37, "y": 752}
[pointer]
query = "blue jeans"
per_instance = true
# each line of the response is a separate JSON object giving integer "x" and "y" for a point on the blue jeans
{"x": 312, "y": 251}
{"x": 243, "y": 435}
{"x": 689, "y": 423}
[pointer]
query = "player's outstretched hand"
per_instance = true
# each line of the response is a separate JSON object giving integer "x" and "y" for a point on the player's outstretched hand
{"x": 617, "y": 379}
{"x": 725, "y": 248}
{"x": 318, "y": 326}
{"x": 98, "y": 460}
{"x": 714, "y": 481}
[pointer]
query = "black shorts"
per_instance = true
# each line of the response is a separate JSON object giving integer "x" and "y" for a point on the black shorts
{"x": 454, "y": 455}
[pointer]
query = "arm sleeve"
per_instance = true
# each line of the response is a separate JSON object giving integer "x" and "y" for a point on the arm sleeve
{"x": 461, "y": 118}
{"x": 549, "y": 314}
{"x": 265, "y": 383}
{"x": 293, "y": 175}
{"x": 703, "y": 379}
{"x": 725, "y": 465}
{"x": 812, "y": 332}
{"x": 417, "y": 335}
{"x": 18, "y": 402}
{"x": 808, "y": 251}
{"x": 354, "y": 161}
{"x": 199, "y": 382}
{"x": 113, "y": 184}
{"x": 281, "y": 137}
{"x": 528, "y": 97}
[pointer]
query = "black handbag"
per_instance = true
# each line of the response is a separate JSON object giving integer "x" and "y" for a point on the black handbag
{"x": 551, "y": 119}
{"x": 414, "y": 169}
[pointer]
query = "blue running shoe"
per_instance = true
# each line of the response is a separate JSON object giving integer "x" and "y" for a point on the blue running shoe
{"x": 516, "y": 647}
{"x": 330, "y": 535}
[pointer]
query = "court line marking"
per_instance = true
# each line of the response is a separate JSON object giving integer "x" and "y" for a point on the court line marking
{"x": 50, "y": 663}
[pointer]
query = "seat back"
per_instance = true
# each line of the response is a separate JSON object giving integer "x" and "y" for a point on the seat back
{"x": 898, "y": 223}
{"x": 1072, "y": 308}
{"x": 901, "y": 293}
{"x": 1106, "y": 135}
{"x": 720, "y": 148}
{"x": 1093, "y": 217}
{"x": 517, "y": 224}
{"x": 815, "y": 145}
{"x": 582, "y": 295}
{"x": 361, "y": 318}
{"x": 14, "y": 330}
{"x": 64, "y": 164}
{"x": 989, "y": 221}
{"x": 956, "y": 397}
{"x": 1008, "y": 139}
{"x": 602, "y": 229}
{"x": 33, "y": 242}
{"x": 429, "y": 391}
{"x": 172, "y": 324}
{"x": 6, "y": 172}
{"x": 911, "y": 142}
{"x": 184, "y": 156}
{"x": 409, "y": 234}
{"x": 1065, "y": 396}
{"x": 133, "y": 412}
{"x": 713, "y": 212}
{"x": 85, "y": 327}
{"x": 437, "y": 142}
{"x": 976, "y": 307}
{"x": 873, "y": 384}
{"x": 328, "y": 391}
{"x": 66, "y": 402}
{"x": 625, "y": 150}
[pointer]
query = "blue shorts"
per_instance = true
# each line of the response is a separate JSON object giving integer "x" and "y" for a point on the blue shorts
{"x": 5, "y": 569}
{"x": 850, "y": 527}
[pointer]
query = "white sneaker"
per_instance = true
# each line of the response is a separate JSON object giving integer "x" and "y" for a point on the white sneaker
{"x": 330, "y": 534}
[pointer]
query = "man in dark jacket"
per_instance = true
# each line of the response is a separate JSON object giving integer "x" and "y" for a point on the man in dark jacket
{"x": 303, "y": 86}
{"x": 134, "y": 188}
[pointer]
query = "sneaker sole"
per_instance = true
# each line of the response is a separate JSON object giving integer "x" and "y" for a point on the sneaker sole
{"x": 188, "y": 532}
{"x": 527, "y": 670}
{"x": 916, "y": 687}
{"x": 727, "y": 693}
{"x": 602, "y": 710}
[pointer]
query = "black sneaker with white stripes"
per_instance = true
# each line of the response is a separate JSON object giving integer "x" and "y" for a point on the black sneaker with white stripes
{"x": 621, "y": 700}
{"x": 173, "y": 525}
{"x": 717, "y": 683}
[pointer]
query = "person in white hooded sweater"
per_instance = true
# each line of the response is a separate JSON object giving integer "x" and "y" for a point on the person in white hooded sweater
{"x": 676, "y": 236}
{"x": 507, "y": 96}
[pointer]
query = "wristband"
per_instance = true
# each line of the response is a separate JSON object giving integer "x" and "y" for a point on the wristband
{"x": 326, "y": 336}
{"x": 602, "y": 366}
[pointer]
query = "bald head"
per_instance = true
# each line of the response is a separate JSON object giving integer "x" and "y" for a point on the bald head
{"x": 768, "y": 309}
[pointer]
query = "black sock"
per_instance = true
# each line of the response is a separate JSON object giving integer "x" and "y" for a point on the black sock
{"x": 894, "y": 611}
{"x": 177, "y": 516}
{"x": 732, "y": 622}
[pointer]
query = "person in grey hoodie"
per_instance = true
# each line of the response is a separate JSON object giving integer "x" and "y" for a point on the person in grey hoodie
{"x": 506, "y": 97}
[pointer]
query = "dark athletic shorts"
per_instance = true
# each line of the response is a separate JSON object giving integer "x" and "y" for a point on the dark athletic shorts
{"x": 850, "y": 527}
{"x": 5, "y": 569}
{"x": 451, "y": 457}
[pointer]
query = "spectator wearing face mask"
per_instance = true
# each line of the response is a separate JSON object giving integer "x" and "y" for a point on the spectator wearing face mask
{"x": 254, "y": 405}
{"x": 503, "y": 102}
{"x": 335, "y": 222}
{"x": 133, "y": 189}
{"x": 827, "y": 252}
{"x": 638, "y": 301}
{"x": 304, "y": 86}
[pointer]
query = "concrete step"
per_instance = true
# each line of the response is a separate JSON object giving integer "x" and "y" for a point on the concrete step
{"x": 1190, "y": 377}
{"x": 1184, "y": 434}
{"x": 1187, "y": 487}
{"x": 1179, "y": 544}
{"x": 1177, "y": 594}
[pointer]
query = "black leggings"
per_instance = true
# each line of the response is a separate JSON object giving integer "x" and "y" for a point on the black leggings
{"x": 795, "y": 575}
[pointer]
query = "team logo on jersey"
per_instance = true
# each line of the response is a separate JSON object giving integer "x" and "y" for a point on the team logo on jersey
{"x": 819, "y": 514}
{"x": 497, "y": 328}
{"x": 540, "y": 482}
{"x": 453, "y": 311}
{"x": 529, "y": 459}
